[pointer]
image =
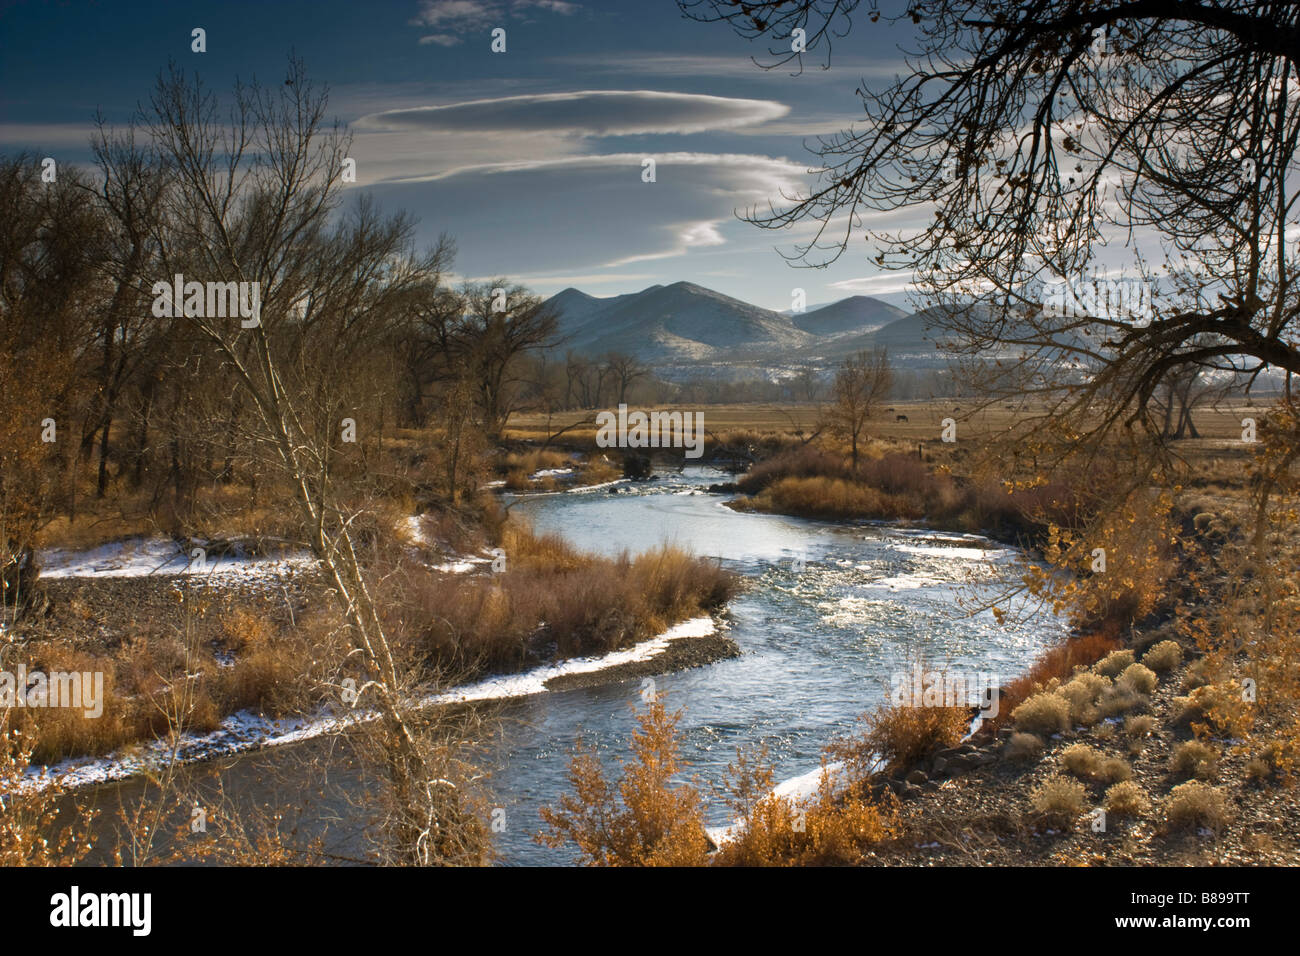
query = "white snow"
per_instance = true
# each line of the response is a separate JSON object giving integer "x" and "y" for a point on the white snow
{"x": 800, "y": 791}
{"x": 139, "y": 557}
{"x": 247, "y": 731}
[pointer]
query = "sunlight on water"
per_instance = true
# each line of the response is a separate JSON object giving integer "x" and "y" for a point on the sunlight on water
{"x": 831, "y": 613}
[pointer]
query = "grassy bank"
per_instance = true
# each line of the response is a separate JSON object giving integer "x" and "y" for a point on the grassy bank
{"x": 184, "y": 652}
{"x": 816, "y": 482}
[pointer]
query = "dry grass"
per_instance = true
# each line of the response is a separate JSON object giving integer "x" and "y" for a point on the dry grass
{"x": 1194, "y": 758}
{"x": 1043, "y": 714}
{"x": 551, "y": 602}
{"x": 1126, "y": 799}
{"x": 900, "y": 736}
{"x": 1196, "y": 804}
{"x": 817, "y": 482}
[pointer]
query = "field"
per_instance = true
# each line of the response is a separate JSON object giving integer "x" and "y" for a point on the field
{"x": 1215, "y": 461}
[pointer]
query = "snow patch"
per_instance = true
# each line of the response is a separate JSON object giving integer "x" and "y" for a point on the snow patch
{"x": 248, "y": 731}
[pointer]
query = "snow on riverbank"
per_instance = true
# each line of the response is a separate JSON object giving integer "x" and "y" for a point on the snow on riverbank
{"x": 139, "y": 557}
{"x": 800, "y": 791}
{"x": 247, "y": 731}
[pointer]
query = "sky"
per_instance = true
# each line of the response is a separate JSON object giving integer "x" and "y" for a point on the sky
{"x": 531, "y": 159}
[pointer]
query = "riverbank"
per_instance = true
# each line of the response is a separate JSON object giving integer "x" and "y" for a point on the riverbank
{"x": 236, "y": 645}
{"x": 692, "y": 643}
{"x": 1141, "y": 789}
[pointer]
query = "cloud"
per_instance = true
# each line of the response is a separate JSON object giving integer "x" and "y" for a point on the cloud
{"x": 587, "y": 213}
{"x": 43, "y": 135}
{"x": 452, "y": 18}
{"x": 880, "y": 284}
{"x": 633, "y": 63}
{"x": 584, "y": 113}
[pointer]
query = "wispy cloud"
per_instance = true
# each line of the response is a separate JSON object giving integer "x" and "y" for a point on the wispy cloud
{"x": 584, "y": 112}
{"x": 736, "y": 65}
{"x": 452, "y": 19}
{"x": 607, "y": 216}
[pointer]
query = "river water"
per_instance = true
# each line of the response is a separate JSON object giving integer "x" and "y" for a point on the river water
{"x": 833, "y": 612}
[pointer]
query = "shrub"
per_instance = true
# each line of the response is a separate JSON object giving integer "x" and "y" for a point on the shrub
{"x": 643, "y": 820}
{"x": 1141, "y": 679}
{"x": 1082, "y": 691}
{"x": 1195, "y": 759}
{"x": 830, "y": 831}
{"x": 1114, "y": 663}
{"x": 1120, "y": 699}
{"x": 1113, "y": 770}
{"x": 1059, "y": 797}
{"x": 1195, "y": 676}
{"x": 1126, "y": 799}
{"x": 1081, "y": 760}
{"x": 1023, "y": 747}
{"x": 1057, "y": 663}
{"x": 1258, "y": 769}
{"x": 1196, "y": 804}
{"x": 901, "y": 735}
{"x": 1046, "y": 713}
{"x": 1140, "y": 726}
{"x": 1164, "y": 656}
{"x": 1207, "y": 706}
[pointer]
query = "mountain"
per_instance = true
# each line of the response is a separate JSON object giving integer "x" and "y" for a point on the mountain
{"x": 682, "y": 322}
{"x": 574, "y": 307}
{"x": 684, "y": 329}
{"x": 856, "y": 314}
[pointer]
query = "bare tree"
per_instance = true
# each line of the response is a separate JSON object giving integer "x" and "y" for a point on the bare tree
{"x": 253, "y": 201}
{"x": 495, "y": 326}
{"x": 1027, "y": 137}
{"x": 624, "y": 371}
{"x": 861, "y": 385}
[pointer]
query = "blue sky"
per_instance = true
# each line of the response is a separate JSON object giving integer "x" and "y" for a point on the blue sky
{"x": 530, "y": 159}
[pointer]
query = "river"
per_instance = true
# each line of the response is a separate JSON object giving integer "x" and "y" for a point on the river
{"x": 832, "y": 611}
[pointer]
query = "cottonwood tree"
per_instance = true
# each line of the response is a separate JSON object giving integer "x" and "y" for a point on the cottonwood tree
{"x": 1024, "y": 138}
{"x": 50, "y": 282}
{"x": 860, "y": 386}
{"x": 624, "y": 371}
{"x": 255, "y": 196}
{"x": 485, "y": 338}
{"x": 1037, "y": 142}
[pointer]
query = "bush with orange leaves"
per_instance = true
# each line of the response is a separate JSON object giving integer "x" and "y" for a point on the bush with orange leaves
{"x": 1250, "y": 637}
{"x": 1121, "y": 564}
{"x": 643, "y": 820}
{"x": 36, "y": 828}
{"x": 899, "y": 735}
{"x": 830, "y": 830}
